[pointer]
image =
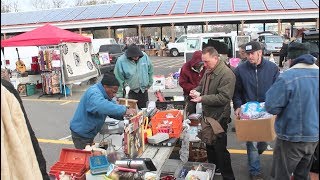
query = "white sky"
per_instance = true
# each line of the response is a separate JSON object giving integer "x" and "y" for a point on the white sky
{"x": 25, "y": 5}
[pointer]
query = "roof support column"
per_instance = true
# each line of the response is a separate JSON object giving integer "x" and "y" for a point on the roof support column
{"x": 173, "y": 32}
{"x": 242, "y": 27}
{"x": 114, "y": 32}
{"x": 206, "y": 27}
{"x": 317, "y": 23}
{"x": 4, "y": 36}
{"x": 80, "y": 31}
{"x": 139, "y": 33}
{"x": 279, "y": 26}
{"x": 185, "y": 29}
{"x": 264, "y": 26}
{"x": 291, "y": 28}
{"x": 161, "y": 33}
{"x": 109, "y": 32}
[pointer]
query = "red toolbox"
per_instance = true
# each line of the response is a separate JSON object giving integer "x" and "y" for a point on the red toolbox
{"x": 73, "y": 162}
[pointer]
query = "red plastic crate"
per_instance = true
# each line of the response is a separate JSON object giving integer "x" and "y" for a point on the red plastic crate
{"x": 176, "y": 120}
{"x": 72, "y": 161}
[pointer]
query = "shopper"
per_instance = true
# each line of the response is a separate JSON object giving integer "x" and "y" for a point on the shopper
{"x": 95, "y": 105}
{"x": 190, "y": 76}
{"x": 294, "y": 98}
{"x": 25, "y": 160}
{"x": 134, "y": 69}
{"x": 283, "y": 52}
{"x": 242, "y": 53}
{"x": 254, "y": 78}
{"x": 215, "y": 92}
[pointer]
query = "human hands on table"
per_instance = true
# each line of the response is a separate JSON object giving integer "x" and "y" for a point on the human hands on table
{"x": 194, "y": 94}
{"x": 130, "y": 112}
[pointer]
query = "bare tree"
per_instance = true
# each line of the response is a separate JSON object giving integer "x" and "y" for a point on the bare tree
{"x": 92, "y": 2}
{"x": 59, "y": 3}
{"x": 9, "y": 6}
{"x": 40, "y": 4}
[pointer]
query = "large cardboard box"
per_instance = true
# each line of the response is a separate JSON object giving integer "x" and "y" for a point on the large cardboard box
{"x": 255, "y": 129}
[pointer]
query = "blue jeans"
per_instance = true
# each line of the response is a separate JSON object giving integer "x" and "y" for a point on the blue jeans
{"x": 254, "y": 149}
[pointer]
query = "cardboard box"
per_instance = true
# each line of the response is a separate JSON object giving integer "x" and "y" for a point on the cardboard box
{"x": 255, "y": 129}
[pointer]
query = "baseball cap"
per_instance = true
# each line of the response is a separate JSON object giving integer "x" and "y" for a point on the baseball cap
{"x": 252, "y": 46}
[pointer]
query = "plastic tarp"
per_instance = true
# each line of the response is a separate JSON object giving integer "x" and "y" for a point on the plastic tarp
{"x": 45, "y": 35}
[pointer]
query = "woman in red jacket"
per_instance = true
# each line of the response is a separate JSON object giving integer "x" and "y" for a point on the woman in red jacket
{"x": 190, "y": 76}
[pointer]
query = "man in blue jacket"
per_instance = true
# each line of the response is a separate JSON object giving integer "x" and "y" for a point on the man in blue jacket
{"x": 294, "y": 98}
{"x": 95, "y": 105}
{"x": 134, "y": 69}
{"x": 253, "y": 78}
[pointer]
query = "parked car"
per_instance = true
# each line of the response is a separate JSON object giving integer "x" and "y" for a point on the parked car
{"x": 271, "y": 43}
{"x": 108, "y": 55}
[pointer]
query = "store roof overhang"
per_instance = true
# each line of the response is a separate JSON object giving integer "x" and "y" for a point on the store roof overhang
{"x": 212, "y": 18}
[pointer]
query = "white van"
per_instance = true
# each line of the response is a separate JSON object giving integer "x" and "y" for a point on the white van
{"x": 177, "y": 48}
{"x": 195, "y": 42}
{"x": 96, "y": 43}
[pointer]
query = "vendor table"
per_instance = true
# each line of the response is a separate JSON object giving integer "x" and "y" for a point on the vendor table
{"x": 159, "y": 156}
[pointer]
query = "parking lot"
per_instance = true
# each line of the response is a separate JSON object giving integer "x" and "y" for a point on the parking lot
{"x": 50, "y": 118}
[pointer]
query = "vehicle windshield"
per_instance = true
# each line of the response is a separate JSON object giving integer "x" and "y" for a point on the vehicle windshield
{"x": 274, "y": 39}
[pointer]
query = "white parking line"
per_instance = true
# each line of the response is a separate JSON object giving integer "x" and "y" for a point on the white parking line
{"x": 65, "y": 103}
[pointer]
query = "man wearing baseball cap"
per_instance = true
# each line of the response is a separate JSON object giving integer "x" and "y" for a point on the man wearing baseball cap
{"x": 253, "y": 78}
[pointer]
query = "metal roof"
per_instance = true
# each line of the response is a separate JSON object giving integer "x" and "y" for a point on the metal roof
{"x": 157, "y": 12}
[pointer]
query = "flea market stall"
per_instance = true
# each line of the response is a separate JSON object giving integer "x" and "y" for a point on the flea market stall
{"x": 64, "y": 58}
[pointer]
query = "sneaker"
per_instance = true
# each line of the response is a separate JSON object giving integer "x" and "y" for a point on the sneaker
{"x": 217, "y": 172}
{"x": 256, "y": 177}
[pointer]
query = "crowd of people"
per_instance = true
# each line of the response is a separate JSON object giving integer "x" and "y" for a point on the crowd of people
{"x": 207, "y": 79}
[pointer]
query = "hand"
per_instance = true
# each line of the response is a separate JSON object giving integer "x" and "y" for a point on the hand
{"x": 237, "y": 112}
{"x": 197, "y": 99}
{"x": 194, "y": 94}
{"x": 131, "y": 112}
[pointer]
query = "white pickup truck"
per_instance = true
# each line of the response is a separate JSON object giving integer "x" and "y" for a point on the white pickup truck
{"x": 177, "y": 48}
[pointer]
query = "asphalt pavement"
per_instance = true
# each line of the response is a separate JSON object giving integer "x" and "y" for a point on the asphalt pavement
{"x": 50, "y": 117}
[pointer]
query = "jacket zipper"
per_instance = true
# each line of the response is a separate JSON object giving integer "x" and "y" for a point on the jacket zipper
{"x": 257, "y": 81}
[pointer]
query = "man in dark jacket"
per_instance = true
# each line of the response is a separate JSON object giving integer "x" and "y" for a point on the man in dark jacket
{"x": 297, "y": 110}
{"x": 190, "y": 76}
{"x": 215, "y": 92}
{"x": 253, "y": 79}
{"x": 283, "y": 52}
{"x": 35, "y": 144}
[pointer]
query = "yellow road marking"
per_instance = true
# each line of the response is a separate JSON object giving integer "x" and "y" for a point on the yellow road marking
{"x": 65, "y": 103}
{"x": 55, "y": 141}
{"x": 232, "y": 151}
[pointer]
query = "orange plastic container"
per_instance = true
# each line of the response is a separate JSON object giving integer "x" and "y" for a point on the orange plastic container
{"x": 73, "y": 162}
{"x": 173, "y": 117}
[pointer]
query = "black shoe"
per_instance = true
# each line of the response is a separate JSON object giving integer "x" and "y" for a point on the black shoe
{"x": 217, "y": 172}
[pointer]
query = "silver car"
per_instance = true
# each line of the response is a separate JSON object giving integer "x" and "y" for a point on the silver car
{"x": 271, "y": 43}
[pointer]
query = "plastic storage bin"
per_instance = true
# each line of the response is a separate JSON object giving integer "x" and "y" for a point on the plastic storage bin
{"x": 183, "y": 169}
{"x": 30, "y": 89}
{"x": 169, "y": 104}
{"x": 173, "y": 117}
{"x": 73, "y": 162}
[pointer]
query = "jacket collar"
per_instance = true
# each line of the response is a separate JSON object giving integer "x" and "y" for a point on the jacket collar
{"x": 101, "y": 88}
{"x": 304, "y": 65}
{"x": 263, "y": 61}
{"x": 219, "y": 67}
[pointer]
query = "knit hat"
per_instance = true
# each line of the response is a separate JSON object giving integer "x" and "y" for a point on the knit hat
{"x": 252, "y": 46}
{"x": 110, "y": 79}
{"x": 296, "y": 49}
{"x": 133, "y": 51}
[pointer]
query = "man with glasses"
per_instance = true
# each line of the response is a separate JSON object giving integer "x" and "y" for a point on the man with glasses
{"x": 95, "y": 105}
{"x": 134, "y": 69}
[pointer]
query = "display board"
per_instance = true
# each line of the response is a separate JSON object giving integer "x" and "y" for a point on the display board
{"x": 78, "y": 65}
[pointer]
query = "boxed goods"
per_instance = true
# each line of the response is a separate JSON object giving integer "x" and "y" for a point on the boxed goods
{"x": 256, "y": 130}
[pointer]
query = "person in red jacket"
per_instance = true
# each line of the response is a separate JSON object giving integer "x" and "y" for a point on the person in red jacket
{"x": 190, "y": 76}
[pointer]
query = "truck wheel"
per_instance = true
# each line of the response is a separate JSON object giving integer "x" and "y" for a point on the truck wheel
{"x": 174, "y": 52}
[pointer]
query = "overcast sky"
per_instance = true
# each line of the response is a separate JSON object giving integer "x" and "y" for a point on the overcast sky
{"x": 25, "y": 5}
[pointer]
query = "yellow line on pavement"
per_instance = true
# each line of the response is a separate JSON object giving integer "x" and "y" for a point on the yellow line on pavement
{"x": 54, "y": 141}
{"x": 65, "y": 103}
{"x": 232, "y": 151}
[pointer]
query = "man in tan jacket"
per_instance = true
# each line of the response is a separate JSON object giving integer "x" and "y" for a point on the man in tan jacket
{"x": 215, "y": 92}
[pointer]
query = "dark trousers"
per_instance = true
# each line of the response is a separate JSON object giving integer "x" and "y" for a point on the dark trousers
{"x": 292, "y": 157}
{"x": 142, "y": 98}
{"x": 190, "y": 106}
{"x": 80, "y": 142}
{"x": 281, "y": 59}
{"x": 220, "y": 156}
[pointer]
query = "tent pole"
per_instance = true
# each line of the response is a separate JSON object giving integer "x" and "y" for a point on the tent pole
{"x": 62, "y": 73}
